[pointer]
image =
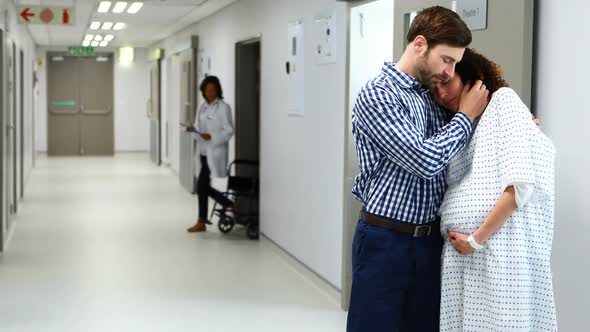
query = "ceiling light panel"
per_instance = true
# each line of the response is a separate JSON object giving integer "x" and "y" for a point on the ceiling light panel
{"x": 95, "y": 26}
{"x": 107, "y": 25}
{"x": 119, "y": 7}
{"x": 119, "y": 26}
{"x": 135, "y": 7}
{"x": 104, "y": 6}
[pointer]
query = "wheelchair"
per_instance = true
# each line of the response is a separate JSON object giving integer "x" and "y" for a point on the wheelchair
{"x": 242, "y": 189}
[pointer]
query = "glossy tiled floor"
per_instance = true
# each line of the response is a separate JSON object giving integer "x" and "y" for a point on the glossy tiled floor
{"x": 100, "y": 245}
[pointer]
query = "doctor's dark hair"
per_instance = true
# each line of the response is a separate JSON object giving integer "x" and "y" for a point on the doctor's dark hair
{"x": 440, "y": 25}
{"x": 211, "y": 80}
{"x": 474, "y": 66}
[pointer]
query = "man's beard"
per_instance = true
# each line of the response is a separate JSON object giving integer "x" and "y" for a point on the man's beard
{"x": 425, "y": 75}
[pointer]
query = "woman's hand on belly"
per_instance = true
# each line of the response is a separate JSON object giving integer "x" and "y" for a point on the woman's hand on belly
{"x": 459, "y": 242}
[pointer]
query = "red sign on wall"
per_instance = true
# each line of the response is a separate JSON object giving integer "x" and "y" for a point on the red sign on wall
{"x": 46, "y": 15}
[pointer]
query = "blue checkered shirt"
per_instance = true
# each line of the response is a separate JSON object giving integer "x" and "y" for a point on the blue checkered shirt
{"x": 403, "y": 144}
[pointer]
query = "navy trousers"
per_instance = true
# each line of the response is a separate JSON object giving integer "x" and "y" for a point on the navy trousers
{"x": 395, "y": 281}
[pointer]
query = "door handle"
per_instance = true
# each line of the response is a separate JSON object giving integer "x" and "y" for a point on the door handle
{"x": 95, "y": 112}
{"x": 149, "y": 108}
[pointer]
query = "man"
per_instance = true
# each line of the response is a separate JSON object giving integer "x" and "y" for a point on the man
{"x": 404, "y": 144}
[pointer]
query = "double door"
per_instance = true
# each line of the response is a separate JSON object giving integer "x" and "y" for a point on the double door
{"x": 80, "y": 105}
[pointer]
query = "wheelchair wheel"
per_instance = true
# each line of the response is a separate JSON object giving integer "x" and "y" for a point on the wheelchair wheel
{"x": 225, "y": 224}
{"x": 252, "y": 231}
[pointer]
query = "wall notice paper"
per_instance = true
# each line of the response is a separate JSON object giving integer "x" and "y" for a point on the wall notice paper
{"x": 294, "y": 68}
{"x": 325, "y": 39}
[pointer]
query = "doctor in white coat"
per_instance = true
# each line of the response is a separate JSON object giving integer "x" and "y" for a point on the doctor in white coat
{"x": 213, "y": 129}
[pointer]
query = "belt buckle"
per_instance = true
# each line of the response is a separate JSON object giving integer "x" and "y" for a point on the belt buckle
{"x": 418, "y": 233}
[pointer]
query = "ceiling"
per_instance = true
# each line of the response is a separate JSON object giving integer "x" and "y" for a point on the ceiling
{"x": 157, "y": 20}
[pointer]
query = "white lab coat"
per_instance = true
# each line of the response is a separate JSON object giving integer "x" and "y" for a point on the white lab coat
{"x": 214, "y": 119}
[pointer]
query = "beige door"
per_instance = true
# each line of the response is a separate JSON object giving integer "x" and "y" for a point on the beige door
{"x": 63, "y": 106}
{"x": 188, "y": 97}
{"x": 10, "y": 138}
{"x": 96, "y": 105}
{"x": 153, "y": 112}
{"x": 80, "y": 105}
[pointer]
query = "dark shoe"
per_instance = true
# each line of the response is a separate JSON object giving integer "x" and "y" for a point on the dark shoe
{"x": 197, "y": 228}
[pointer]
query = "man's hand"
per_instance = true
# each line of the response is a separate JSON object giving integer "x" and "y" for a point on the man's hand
{"x": 474, "y": 100}
{"x": 459, "y": 241}
{"x": 206, "y": 137}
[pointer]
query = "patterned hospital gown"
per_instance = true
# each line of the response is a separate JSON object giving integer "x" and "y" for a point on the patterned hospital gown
{"x": 508, "y": 285}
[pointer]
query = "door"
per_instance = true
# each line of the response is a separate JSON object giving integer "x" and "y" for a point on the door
{"x": 371, "y": 43}
{"x": 10, "y": 112}
{"x": 3, "y": 131}
{"x": 80, "y": 105}
{"x": 188, "y": 98}
{"x": 507, "y": 39}
{"x": 96, "y": 106}
{"x": 22, "y": 125}
{"x": 153, "y": 112}
{"x": 63, "y": 93}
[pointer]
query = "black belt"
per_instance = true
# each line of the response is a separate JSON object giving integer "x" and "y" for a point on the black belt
{"x": 416, "y": 230}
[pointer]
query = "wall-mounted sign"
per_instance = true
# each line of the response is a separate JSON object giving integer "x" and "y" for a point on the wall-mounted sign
{"x": 325, "y": 39}
{"x": 81, "y": 51}
{"x": 473, "y": 12}
{"x": 46, "y": 15}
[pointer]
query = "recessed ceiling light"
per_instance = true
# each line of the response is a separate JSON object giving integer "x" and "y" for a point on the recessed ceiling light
{"x": 94, "y": 44}
{"x": 86, "y": 43}
{"x": 119, "y": 26}
{"x": 89, "y": 37}
{"x": 104, "y": 43}
{"x": 95, "y": 26}
{"x": 104, "y": 6}
{"x": 107, "y": 25}
{"x": 98, "y": 37}
{"x": 109, "y": 37}
{"x": 119, "y": 7}
{"x": 126, "y": 55}
{"x": 135, "y": 7}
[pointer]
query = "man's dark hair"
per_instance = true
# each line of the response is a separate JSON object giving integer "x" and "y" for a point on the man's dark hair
{"x": 211, "y": 80}
{"x": 440, "y": 25}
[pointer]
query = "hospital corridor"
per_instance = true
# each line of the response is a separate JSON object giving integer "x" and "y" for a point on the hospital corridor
{"x": 293, "y": 166}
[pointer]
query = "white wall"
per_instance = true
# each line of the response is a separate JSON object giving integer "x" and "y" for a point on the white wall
{"x": 301, "y": 157}
{"x": 131, "y": 84}
{"x": 562, "y": 75}
{"x": 132, "y": 126}
{"x": 23, "y": 42}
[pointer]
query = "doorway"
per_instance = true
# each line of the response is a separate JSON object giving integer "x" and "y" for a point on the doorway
{"x": 247, "y": 111}
{"x": 80, "y": 105}
{"x": 247, "y": 108}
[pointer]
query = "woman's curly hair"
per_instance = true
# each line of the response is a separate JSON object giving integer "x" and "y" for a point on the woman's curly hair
{"x": 475, "y": 66}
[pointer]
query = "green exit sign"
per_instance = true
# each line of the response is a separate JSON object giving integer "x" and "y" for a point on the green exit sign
{"x": 81, "y": 51}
